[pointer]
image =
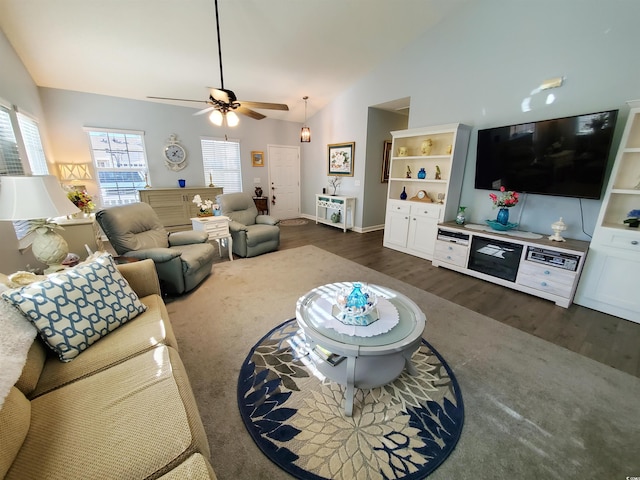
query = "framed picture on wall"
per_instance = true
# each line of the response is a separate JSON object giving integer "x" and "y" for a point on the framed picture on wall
{"x": 257, "y": 159}
{"x": 341, "y": 158}
{"x": 386, "y": 161}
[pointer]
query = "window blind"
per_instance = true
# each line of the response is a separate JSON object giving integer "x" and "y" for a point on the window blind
{"x": 10, "y": 163}
{"x": 33, "y": 145}
{"x": 221, "y": 162}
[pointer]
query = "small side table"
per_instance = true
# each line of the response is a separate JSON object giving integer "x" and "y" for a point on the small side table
{"x": 262, "y": 204}
{"x": 217, "y": 227}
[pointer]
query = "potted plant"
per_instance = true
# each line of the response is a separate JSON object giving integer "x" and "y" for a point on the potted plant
{"x": 634, "y": 218}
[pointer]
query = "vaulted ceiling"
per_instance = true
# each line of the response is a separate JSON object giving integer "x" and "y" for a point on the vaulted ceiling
{"x": 272, "y": 50}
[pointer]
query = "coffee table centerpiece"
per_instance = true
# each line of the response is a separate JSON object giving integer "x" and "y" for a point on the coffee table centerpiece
{"x": 356, "y": 305}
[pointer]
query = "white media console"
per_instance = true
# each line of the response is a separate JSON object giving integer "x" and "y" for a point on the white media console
{"x": 524, "y": 261}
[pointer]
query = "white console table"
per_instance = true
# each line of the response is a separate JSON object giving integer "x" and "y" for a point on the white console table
{"x": 538, "y": 266}
{"x": 327, "y": 205}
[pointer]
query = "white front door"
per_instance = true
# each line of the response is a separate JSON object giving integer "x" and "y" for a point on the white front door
{"x": 284, "y": 181}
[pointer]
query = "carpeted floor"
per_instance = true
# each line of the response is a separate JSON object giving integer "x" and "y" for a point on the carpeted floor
{"x": 532, "y": 409}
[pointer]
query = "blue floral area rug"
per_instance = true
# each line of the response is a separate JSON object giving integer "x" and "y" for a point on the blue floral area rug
{"x": 403, "y": 430}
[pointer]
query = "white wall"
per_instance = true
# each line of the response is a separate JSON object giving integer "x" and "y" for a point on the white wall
{"x": 67, "y": 112}
{"x": 17, "y": 88}
{"x": 477, "y": 68}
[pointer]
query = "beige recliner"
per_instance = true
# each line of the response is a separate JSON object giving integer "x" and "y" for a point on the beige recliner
{"x": 252, "y": 234}
{"x": 182, "y": 259}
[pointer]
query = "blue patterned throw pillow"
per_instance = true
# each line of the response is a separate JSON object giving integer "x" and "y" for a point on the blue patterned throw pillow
{"x": 74, "y": 308}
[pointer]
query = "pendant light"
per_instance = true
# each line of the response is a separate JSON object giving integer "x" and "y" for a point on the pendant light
{"x": 305, "y": 133}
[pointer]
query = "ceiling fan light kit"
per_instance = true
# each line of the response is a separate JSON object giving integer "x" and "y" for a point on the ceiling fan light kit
{"x": 305, "y": 133}
{"x": 223, "y": 103}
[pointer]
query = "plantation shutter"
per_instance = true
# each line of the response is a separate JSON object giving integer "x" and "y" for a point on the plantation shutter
{"x": 221, "y": 162}
{"x": 33, "y": 145}
{"x": 10, "y": 163}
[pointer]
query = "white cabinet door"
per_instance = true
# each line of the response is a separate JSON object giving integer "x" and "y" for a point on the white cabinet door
{"x": 422, "y": 235}
{"x": 610, "y": 283}
{"x": 396, "y": 228}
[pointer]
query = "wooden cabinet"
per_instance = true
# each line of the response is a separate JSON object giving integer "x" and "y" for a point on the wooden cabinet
{"x": 174, "y": 206}
{"x": 438, "y": 154}
{"x": 612, "y": 273}
{"x": 542, "y": 267}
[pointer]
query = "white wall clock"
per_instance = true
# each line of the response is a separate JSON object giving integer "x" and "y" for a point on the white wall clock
{"x": 175, "y": 155}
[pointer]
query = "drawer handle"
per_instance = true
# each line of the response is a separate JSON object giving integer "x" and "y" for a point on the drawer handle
{"x": 448, "y": 257}
{"x": 450, "y": 248}
{"x": 547, "y": 272}
{"x": 544, "y": 284}
{"x": 634, "y": 242}
{"x": 426, "y": 212}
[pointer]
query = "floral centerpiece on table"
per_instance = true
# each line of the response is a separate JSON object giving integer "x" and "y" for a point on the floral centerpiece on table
{"x": 633, "y": 219}
{"x": 206, "y": 207}
{"x": 82, "y": 200}
{"x": 506, "y": 199}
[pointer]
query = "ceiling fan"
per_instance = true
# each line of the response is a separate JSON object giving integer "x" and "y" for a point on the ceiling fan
{"x": 223, "y": 103}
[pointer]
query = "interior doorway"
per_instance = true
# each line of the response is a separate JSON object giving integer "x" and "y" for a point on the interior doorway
{"x": 284, "y": 181}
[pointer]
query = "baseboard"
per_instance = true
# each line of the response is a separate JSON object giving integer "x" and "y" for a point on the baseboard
{"x": 373, "y": 228}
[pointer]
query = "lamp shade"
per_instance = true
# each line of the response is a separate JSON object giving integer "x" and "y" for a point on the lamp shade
{"x": 33, "y": 197}
{"x": 74, "y": 171}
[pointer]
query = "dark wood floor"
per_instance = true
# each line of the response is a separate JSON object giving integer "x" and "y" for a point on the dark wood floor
{"x": 605, "y": 338}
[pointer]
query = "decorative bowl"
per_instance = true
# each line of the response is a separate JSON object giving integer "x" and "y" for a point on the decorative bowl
{"x": 500, "y": 227}
{"x": 356, "y": 305}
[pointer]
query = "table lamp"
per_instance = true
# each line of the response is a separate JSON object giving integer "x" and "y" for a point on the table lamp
{"x": 75, "y": 173}
{"x": 38, "y": 197}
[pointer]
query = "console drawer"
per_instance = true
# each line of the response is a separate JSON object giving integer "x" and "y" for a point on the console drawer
{"x": 451, "y": 253}
{"x": 547, "y": 279}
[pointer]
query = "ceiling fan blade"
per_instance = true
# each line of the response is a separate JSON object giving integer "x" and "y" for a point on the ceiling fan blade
{"x": 202, "y": 112}
{"x": 250, "y": 113}
{"x": 179, "y": 99}
{"x": 266, "y": 105}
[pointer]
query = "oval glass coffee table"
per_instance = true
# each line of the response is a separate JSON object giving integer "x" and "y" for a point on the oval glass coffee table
{"x": 369, "y": 361}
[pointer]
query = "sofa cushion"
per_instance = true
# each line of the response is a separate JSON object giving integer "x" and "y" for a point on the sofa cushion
{"x": 259, "y": 233}
{"x": 75, "y": 308}
{"x": 15, "y": 417}
{"x": 33, "y": 368}
{"x": 196, "y": 467}
{"x": 16, "y": 337}
{"x": 194, "y": 256}
{"x": 146, "y": 331}
{"x": 133, "y": 420}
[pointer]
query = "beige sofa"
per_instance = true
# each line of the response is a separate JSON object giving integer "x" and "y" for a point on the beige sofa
{"x": 121, "y": 409}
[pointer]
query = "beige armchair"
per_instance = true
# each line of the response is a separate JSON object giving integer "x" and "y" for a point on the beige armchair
{"x": 252, "y": 234}
{"x": 182, "y": 259}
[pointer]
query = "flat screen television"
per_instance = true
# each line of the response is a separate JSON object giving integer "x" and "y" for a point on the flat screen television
{"x": 562, "y": 156}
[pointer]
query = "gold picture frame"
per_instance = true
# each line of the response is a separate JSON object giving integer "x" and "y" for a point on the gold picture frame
{"x": 341, "y": 158}
{"x": 257, "y": 159}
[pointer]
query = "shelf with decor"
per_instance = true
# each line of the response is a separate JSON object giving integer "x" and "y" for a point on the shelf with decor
{"x": 415, "y": 205}
{"x": 612, "y": 270}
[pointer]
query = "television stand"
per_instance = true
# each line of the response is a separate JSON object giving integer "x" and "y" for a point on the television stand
{"x": 524, "y": 261}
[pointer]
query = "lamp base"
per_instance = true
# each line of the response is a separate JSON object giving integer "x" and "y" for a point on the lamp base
{"x": 50, "y": 248}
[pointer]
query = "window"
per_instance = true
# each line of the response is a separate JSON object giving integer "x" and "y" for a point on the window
{"x": 221, "y": 162}
{"x": 121, "y": 164}
{"x": 33, "y": 144}
{"x": 10, "y": 163}
{"x": 30, "y": 143}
